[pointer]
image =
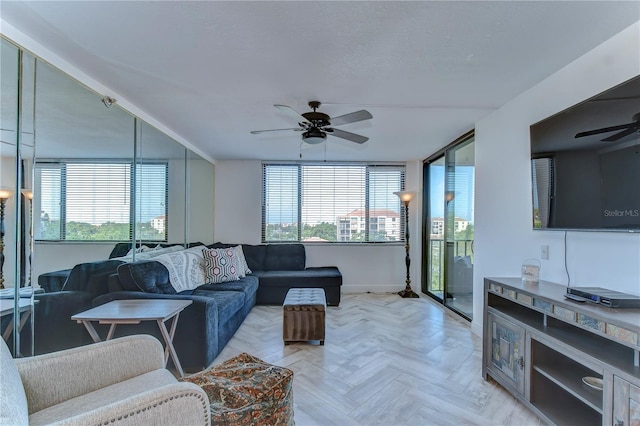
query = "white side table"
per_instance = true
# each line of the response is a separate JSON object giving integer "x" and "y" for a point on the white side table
{"x": 134, "y": 312}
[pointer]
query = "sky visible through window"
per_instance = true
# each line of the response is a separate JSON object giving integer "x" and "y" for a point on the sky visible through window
{"x": 464, "y": 187}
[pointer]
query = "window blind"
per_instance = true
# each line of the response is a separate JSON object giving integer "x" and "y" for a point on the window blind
{"x": 91, "y": 201}
{"x": 151, "y": 201}
{"x": 542, "y": 170}
{"x": 281, "y": 203}
{"x": 48, "y": 226}
{"x": 332, "y": 202}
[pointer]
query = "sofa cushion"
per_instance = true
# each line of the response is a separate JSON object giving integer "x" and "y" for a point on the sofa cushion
{"x": 275, "y": 284}
{"x": 247, "y": 285}
{"x": 255, "y": 256}
{"x": 285, "y": 257}
{"x": 91, "y": 277}
{"x": 310, "y": 277}
{"x": 145, "y": 275}
{"x": 227, "y": 302}
{"x": 13, "y": 400}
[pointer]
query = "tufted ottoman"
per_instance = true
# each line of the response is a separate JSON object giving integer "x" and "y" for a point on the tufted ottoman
{"x": 303, "y": 318}
{"x": 245, "y": 390}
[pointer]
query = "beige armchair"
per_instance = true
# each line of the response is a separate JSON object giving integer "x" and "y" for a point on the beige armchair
{"x": 121, "y": 381}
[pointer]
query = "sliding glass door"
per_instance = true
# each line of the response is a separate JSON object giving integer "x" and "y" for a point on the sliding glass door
{"x": 448, "y": 237}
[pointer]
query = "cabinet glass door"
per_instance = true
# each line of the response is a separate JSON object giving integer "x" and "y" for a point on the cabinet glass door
{"x": 507, "y": 351}
{"x": 626, "y": 403}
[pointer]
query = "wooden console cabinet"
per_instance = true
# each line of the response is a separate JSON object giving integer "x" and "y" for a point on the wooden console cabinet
{"x": 539, "y": 346}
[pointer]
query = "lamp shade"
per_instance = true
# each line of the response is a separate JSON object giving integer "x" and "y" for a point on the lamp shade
{"x": 449, "y": 196}
{"x": 405, "y": 196}
{"x": 27, "y": 193}
{"x": 5, "y": 193}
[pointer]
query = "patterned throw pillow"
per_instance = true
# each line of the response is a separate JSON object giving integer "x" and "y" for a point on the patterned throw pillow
{"x": 220, "y": 265}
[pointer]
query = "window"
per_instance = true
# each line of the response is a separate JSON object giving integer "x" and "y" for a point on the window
{"x": 542, "y": 171}
{"x": 332, "y": 202}
{"x": 91, "y": 201}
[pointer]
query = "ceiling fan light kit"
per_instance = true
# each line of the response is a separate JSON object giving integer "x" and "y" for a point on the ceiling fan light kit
{"x": 316, "y": 125}
{"x": 314, "y": 136}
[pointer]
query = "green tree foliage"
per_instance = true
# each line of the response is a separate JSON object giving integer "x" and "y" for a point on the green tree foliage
{"x": 537, "y": 222}
{"x": 278, "y": 232}
{"x": 467, "y": 234}
{"x": 148, "y": 233}
{"x": 373, "y": 236}
{"x": 50, "y": 230}
{"x": 325, "y": 230}
{"x": 109, "y": 231}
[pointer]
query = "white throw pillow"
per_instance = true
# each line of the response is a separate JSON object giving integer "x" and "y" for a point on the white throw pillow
{"x": 242, "y": 262}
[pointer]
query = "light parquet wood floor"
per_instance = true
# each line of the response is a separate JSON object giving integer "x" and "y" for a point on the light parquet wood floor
{"x": 386, "y": 361}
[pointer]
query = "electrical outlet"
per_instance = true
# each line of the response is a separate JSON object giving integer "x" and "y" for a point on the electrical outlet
{"x": 544, "y": 252}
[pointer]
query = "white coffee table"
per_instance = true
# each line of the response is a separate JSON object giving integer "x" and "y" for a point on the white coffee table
{"x": 134, "y": 312}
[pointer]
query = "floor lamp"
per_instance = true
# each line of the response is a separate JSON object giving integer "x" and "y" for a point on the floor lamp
{"x": 406, "y": 197}
{"x": 5, "y": 194}
{"x": 28, "y": 194}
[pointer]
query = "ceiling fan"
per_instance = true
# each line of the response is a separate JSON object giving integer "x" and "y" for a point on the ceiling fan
{"x": 315, "y": 126}
{"x": 627, "y": 129}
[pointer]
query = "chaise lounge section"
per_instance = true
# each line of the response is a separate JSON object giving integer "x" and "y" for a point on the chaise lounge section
{"x": 280, "y": 267}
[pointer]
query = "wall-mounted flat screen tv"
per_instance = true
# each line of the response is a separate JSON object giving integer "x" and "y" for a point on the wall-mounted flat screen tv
{"x": 585, "y": 164}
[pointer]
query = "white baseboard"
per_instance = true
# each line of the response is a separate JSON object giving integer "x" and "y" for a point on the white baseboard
{"x": 352, "y": 289}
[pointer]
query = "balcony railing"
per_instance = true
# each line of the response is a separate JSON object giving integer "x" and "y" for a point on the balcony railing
{"x": 437, "y": 258}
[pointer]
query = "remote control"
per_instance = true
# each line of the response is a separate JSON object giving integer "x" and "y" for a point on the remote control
{"x": 575, "y": 298}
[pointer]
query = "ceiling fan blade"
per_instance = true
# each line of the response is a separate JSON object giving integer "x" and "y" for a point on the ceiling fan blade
{"x": 622, "y": 134}
{"x": 255, "y": 132}
{"x": 348, "y": 136}
{"x": 351, "y": 117}
{"x": 603, "y": 130}
{"x": 292, "y": 113}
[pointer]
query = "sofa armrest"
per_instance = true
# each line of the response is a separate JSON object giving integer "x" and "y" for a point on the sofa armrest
{"x": 172, "y": 404}
{"x": 55, "y": 330}
{"x": 52, "y": 378}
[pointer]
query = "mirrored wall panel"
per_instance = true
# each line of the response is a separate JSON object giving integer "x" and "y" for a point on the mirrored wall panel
{"x": 85, "y": 186}
{"x": 82, "y": 185}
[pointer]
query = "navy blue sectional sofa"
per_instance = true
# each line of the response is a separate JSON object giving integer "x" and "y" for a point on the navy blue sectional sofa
{"x": 280, "y": 267}
{"x": 205, "y": 326}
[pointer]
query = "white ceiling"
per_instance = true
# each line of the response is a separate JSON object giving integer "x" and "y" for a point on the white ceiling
{"x": 427, "y": 71}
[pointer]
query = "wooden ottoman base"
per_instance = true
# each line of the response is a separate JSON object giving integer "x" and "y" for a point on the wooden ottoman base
{"x": 303, "y": 315}
{"x": 245, "y": 390}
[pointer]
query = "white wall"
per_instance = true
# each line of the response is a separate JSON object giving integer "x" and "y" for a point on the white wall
{"x": 201, "y": 201}
{"x": 503, "y": 232}
{"x": 373, "y": 268}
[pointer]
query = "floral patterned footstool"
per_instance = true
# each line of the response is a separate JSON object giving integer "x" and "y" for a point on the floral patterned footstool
{"x": 245, "y": 390}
